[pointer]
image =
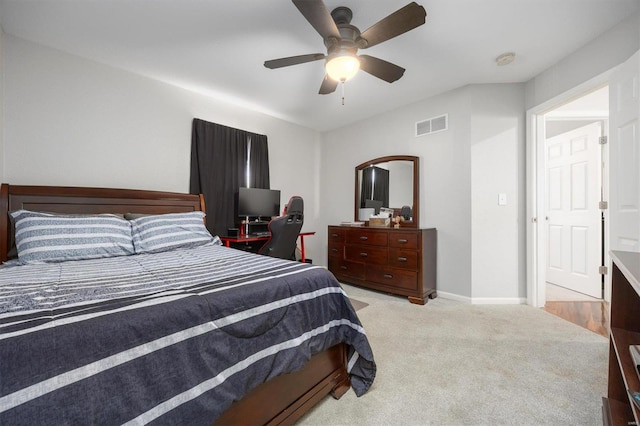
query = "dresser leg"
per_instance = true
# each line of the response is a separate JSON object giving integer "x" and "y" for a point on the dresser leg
{"x": 418, "y": 300}
{"x": 424, "y": 299}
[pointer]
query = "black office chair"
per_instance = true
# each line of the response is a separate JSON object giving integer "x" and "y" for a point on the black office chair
{"x": 405, "y": 212}
{"x": 284, "y": 231}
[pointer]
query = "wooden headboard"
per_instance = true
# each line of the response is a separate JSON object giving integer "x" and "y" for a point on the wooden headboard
{"x": 82, "y": 200}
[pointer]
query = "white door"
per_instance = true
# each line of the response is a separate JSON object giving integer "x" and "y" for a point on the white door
{"x": 573, "y": 218}
{"x": 624, "y": 153}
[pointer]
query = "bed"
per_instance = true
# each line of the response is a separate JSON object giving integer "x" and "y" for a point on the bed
{"x": 196, "y": 335}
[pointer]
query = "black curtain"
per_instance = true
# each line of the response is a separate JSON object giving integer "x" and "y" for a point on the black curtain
{"x": 218, "y": 168}
{"x": 378, "y": 184}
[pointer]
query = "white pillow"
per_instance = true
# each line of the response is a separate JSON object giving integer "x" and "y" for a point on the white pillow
{"x": 157, "y": 233}
{"x": 48, "y": 237}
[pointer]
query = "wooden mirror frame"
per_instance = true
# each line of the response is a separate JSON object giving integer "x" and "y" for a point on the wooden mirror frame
{"x": 416, "y": 182}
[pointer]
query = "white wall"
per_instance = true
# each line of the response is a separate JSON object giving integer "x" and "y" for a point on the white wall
{"x": 497, "y": 159}
{"x": 71, "y": 121}
{"x": 446, "y": 189}
{"x": 600, "y": 55}
{"x": 555, "y": 127}
{"x": 400, "y": 194}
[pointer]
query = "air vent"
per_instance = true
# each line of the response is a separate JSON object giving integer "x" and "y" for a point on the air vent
{"x": 432, "y": 125}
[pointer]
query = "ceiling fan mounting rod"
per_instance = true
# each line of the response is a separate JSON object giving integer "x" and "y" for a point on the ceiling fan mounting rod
{"x": 349, "y": 34}
{"x": 342, "y": 15}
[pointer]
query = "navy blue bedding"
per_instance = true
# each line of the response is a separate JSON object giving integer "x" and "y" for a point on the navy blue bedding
{"x": 168, "y": 338}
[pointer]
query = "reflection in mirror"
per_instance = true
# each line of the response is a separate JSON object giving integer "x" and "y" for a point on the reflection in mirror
{"x": 388, "y": 182}
{"x": 374, "y": 188}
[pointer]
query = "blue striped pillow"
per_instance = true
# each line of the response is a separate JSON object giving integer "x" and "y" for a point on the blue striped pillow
{"x": 157, "y": 233}
{"x": 48, "y": 237}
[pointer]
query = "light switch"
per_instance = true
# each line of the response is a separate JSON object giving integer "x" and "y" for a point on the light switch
{"x": 502, "y": 199}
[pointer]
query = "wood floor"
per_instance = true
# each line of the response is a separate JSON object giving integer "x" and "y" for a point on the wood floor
{"x": 592, "y": 315}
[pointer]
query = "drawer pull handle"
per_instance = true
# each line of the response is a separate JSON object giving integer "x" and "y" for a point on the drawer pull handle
{"x": 402, "y": 259}
{"x": 334, "y": 235}
{"x": 389, "y": 276}
{"x": 402, "y": 240}
{"x": 363, "y": 238}
{"x": 334, "y": 250}
{"x": 364, "y": 254}
{"x": 344, "y": 268}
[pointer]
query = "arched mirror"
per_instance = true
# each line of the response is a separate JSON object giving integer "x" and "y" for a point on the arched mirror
{"x": 388, "y": 183}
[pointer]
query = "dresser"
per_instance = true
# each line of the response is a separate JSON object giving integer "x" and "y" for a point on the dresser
{"x": 394, "y": 260}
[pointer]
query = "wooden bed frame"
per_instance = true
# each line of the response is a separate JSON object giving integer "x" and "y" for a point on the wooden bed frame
{"x": 282, "y": 400}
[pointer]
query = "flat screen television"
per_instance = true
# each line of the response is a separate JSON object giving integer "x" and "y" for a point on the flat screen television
{"x": 258, "y": 203}
{"x": 375, "y": 204}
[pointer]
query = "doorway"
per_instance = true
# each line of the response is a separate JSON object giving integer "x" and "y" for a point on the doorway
{"x": 567, "y": 178}
{"x": 575, "y": 135}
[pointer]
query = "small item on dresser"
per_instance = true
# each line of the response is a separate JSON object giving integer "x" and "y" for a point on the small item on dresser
{"x": 635, "y": 355}
{"x": 385, "y": 211}
{"x": 635, "y": 396}
{"x": 379, "y": 222}
{"x": 365, "y": 213}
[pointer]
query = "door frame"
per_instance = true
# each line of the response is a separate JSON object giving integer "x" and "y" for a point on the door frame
{"x": 535, "y": 137}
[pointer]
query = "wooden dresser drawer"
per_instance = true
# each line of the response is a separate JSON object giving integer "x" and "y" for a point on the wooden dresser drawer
{"x": 369, "y": 237}
{"x": 403, "y": 240}
{"x": 401, "y": 258}
{"x": 393, "y": 277}
{"x": 344, "y": 268}
{"x": 370, "y": 255}
{"x": 336, "y": 249}
{"x": 337, "y": 234}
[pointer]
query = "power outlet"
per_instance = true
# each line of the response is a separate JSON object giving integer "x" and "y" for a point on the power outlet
{"x": 502, "y": 199}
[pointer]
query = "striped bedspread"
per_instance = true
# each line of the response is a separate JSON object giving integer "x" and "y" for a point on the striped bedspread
{"x": 168, "y": 338}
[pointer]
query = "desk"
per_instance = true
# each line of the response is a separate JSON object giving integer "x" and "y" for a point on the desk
{"x": 248, "y": 238}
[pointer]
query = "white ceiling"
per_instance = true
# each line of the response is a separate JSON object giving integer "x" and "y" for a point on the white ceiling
{"x": 218, "y": 47}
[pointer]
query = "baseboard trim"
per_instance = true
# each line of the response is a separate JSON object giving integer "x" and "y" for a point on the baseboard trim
{"x": 453, "y": 296}
{"x": 484, "y": 300}
{"x": 499, "y": 301}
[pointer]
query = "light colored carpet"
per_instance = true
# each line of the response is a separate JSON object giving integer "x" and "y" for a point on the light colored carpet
{"x": 450, "y": 363}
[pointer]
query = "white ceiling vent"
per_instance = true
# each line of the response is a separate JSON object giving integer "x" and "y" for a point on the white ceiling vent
{"x": 432, "y": 125}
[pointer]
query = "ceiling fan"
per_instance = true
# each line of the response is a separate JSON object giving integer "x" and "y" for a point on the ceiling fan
{"x": 343, "y": 40}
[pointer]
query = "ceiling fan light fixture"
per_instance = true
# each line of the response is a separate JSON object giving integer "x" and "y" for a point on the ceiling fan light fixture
{"x": 342, "y": 67}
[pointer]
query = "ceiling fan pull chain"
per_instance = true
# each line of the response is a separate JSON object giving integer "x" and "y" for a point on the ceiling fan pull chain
{"x": 342, "y": 92}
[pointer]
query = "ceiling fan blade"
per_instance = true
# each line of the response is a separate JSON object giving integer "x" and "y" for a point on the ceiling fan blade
{"x": 328, "y": 86}
{"x": 380, "y": 68}
{"x": 399, "y": 22}
{"x": 293, "y": 60}
{"x": 319, "y": 17}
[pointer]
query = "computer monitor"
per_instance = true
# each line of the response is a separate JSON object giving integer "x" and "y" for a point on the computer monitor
{"x": 375, "y": 204}
{"x": 258, "y": 203}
